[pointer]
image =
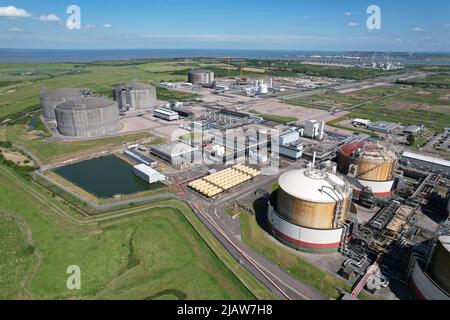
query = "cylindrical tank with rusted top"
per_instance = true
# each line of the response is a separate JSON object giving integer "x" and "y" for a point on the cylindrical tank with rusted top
{"x": 370, "y": 165}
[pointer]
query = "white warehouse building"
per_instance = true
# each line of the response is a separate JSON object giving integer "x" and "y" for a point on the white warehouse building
{"x": 166, "y": 114}
{"x": 148, "y": 174}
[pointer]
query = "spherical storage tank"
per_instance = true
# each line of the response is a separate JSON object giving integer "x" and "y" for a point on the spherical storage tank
{"x": 310, "y": 210}
{"x": 370, "y": 165}
{"x": 51, "y": 99}
{"x": 87, "y": 117}
{"x": 201, "y": 77}
{"x": 440, "y": 267}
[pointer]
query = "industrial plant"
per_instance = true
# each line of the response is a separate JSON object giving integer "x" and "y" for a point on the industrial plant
{"x": 359, "y": 209}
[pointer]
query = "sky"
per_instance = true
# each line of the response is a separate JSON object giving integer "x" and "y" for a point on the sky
{"x": 332, "y": 25}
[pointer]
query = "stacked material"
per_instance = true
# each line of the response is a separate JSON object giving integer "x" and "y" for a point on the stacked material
{"x": 252, "y": 172}
{"x": 205, "y": 188}
{"x": 224, "y": 180}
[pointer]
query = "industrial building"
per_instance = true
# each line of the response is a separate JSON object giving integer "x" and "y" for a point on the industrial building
{"x": 178, "y": 154}
{"x": 368, "y": 165}
{"x": 148, "y": 174}
{"x": 201, "y": 77}
{"x": 383, "y": 126}
{"x": 426, "y": 163}
{"x": 309, "y": 210}
{"x": 314, "y": 129}
{"x": 291, "y": 151}
{"x": 289, "y": 145}
{"x": 412, "y": 129}
{"x": 87, "y": 117}
{"x": 258, "y": 88}
{"x": 51, "y": 99}
{"x": 135, "y": 96}
{"x": 430, "y": 273}
{"x": 239, "y": 144}
{"x": 140, "y": 158}
{"x": 288, "y": 137}
{"x": 166, "y": 114}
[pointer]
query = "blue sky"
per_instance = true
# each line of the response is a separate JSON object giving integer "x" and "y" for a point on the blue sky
{"x": 414, "y": 25}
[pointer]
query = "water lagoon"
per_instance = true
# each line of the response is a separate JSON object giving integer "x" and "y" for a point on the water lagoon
{"x": 105, "y": 177}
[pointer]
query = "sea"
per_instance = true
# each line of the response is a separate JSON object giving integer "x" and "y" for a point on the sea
{"x": 55, "y": 55}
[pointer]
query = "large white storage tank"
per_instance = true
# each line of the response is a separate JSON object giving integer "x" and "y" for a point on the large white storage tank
{"x": 310, "y": 210}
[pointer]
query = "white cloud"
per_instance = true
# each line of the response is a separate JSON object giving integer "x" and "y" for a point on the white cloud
{"x": 107, "y": 25}
{"x": 49, "y": 17}
{"x": 13, "y": 12}
{"x": 353, "y": 24}
{"x": 15, "y": 29}
{"x": 418, "y": 29}
{"x": 348, "y": 14}
{"x": 90, "y": 26}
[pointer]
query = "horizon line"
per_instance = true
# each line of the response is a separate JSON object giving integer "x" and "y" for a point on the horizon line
{"x": 228, "y": 49}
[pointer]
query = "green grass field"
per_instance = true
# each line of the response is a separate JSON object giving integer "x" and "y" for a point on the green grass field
{"x": 16, "y": 259}
{"x": 50, "y": 151}
{"x": 402, "y": 104}
{"x": 430, "y": 107}
{"x": 157, "y": 254}
{"x": 274, "y": 117}
{"x": 23, "y": 82}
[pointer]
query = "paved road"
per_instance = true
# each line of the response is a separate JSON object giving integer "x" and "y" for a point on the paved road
{"x": 279, "y": 279}
{"x": 356, "y": 84}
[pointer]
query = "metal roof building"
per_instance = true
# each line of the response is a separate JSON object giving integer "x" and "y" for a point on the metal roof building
{"x": 148, "y": 174}
{"x": 166, "y": 114}
{"x": 178, "y": 153}
{"x": 426, "y": 163}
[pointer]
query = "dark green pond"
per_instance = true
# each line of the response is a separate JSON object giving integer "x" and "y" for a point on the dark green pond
{"x": 105, "y": 177}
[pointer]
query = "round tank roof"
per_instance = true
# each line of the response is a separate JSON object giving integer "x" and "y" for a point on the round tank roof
{"x": 200, "y": 71}
{"x": 62, "y": 93}
{"x": 369, "y": 151}
{"x": 85, "y": 103}
{"x": 139, "y": 86}
{"x": 313, "y": 185}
